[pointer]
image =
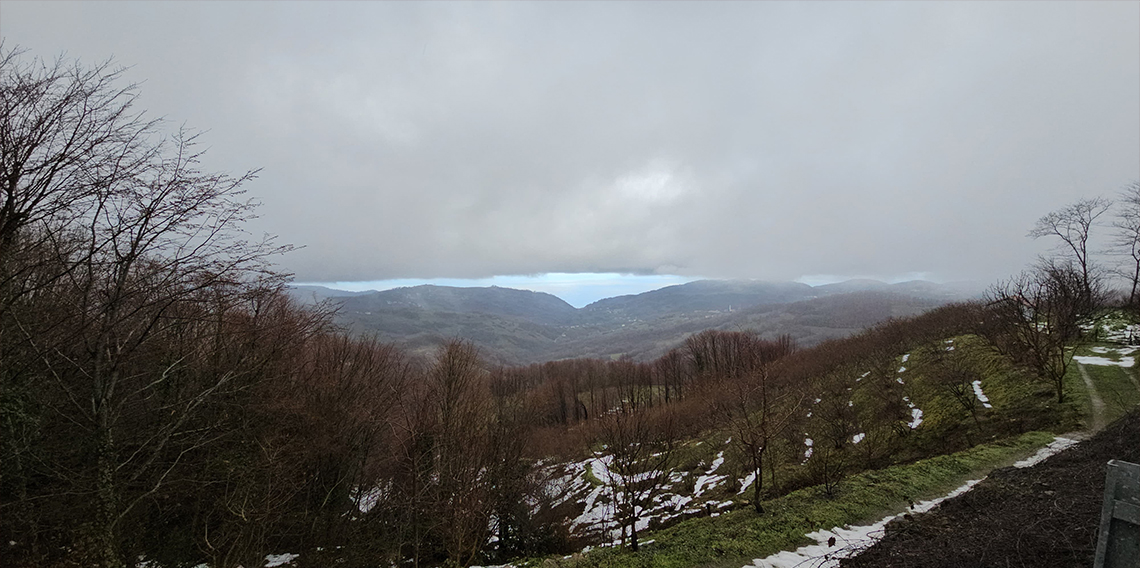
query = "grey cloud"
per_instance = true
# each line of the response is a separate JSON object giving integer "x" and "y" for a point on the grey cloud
{"x": 767, "y": 140}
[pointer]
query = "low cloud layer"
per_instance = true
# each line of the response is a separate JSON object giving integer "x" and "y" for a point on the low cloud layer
{"x": 752, "y": 140}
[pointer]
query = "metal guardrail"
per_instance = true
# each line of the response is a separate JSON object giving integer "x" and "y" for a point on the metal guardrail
{"x": 1118, "y": 543}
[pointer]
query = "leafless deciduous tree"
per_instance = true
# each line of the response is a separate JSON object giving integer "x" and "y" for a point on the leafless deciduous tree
{"x": 1033, "y": 318}
{"x": 757, "y": 411}
{"x": 1073, "y": 225}
{"x": 1126, "y": 241}
{"x": 639, "y": 442}
{"x": 68, "y": 136}
{"x": 144, "y": 245}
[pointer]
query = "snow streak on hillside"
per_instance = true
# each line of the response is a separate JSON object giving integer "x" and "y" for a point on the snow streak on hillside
{"x": 849, "y": 540}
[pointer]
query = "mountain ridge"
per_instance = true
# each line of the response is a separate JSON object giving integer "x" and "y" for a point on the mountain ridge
{"x": 513, "y": 326}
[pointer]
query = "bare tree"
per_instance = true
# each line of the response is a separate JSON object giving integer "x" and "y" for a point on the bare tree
{"x": 459, "y": 389}
{"x": 1073, "y": 225}
{"x": 757, "y": 414}
{"x": 1126, "y": 242}
{"x": 952, "y": 373}
{"x": 639, "y": 442}
{"x": 142, "y": 245}
{"x": 68, "y": 136}
{"x": 1033, "y": 319}
{"x": 757, "y": 410}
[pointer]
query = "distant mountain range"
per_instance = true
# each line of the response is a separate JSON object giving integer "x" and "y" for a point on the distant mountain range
{"x": 518, "y": 326}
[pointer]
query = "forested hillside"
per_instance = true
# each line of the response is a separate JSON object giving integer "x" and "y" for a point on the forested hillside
{"x": 518, "y": 327}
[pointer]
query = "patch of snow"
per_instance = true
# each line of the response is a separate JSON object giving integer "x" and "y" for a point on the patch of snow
{"x": 748, "y": 479}
{"x": 1052, "y": 448}
{"x": 858, "y": 438}
{"x": 981, "y": 395}
{"x": 1127, "y": 334}
{"x": 706, "y": 482}
{"x": 916, "y": 418}
{"x": 676, "y": 502}
{"x": 849, "y": 540}
{"x": 717, "y": 462}
{"x": 366, "y": 500}
{"x": 272, "y": 560}
{"x": 1086, "y": 360}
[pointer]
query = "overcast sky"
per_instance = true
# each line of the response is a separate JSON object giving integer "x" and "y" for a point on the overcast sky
{"x": 779, "y": 141}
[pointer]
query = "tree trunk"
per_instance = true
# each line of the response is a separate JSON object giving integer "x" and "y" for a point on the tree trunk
{"x": 105, "y": 487}
{"x": 757, "y": 485}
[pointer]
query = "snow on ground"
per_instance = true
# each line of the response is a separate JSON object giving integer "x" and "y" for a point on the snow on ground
{"x": 915, "y": 413}
{"x": 272, "y": 560}
{"x": 748, "y": 479}
{"x": 849, "y": 541}
{"x": 1125, "y": 350}
{"x": 597, "y": 501}
{"x": 708, "y": 481}
{"x": 366, "y": 500}
{"x": 718, "y": 461}
{"x": 985, "y": 400}
{"x": 1090, "y": 360}
{"x": 915, "y": 418}
{"x": 1124, "y": 335}
{"x": 1053, "y": 447}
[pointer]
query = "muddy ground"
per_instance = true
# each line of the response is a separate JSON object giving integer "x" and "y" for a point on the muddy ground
{"x": 1042, "y": 516}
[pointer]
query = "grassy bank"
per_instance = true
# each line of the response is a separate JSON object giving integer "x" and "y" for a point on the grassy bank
{"x": 735, "y": 538}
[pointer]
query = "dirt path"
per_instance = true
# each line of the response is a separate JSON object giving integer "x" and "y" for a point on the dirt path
{"x": 1095, "y": 399}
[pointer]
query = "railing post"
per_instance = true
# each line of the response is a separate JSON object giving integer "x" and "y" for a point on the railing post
{"x": 1118, "y": 542}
